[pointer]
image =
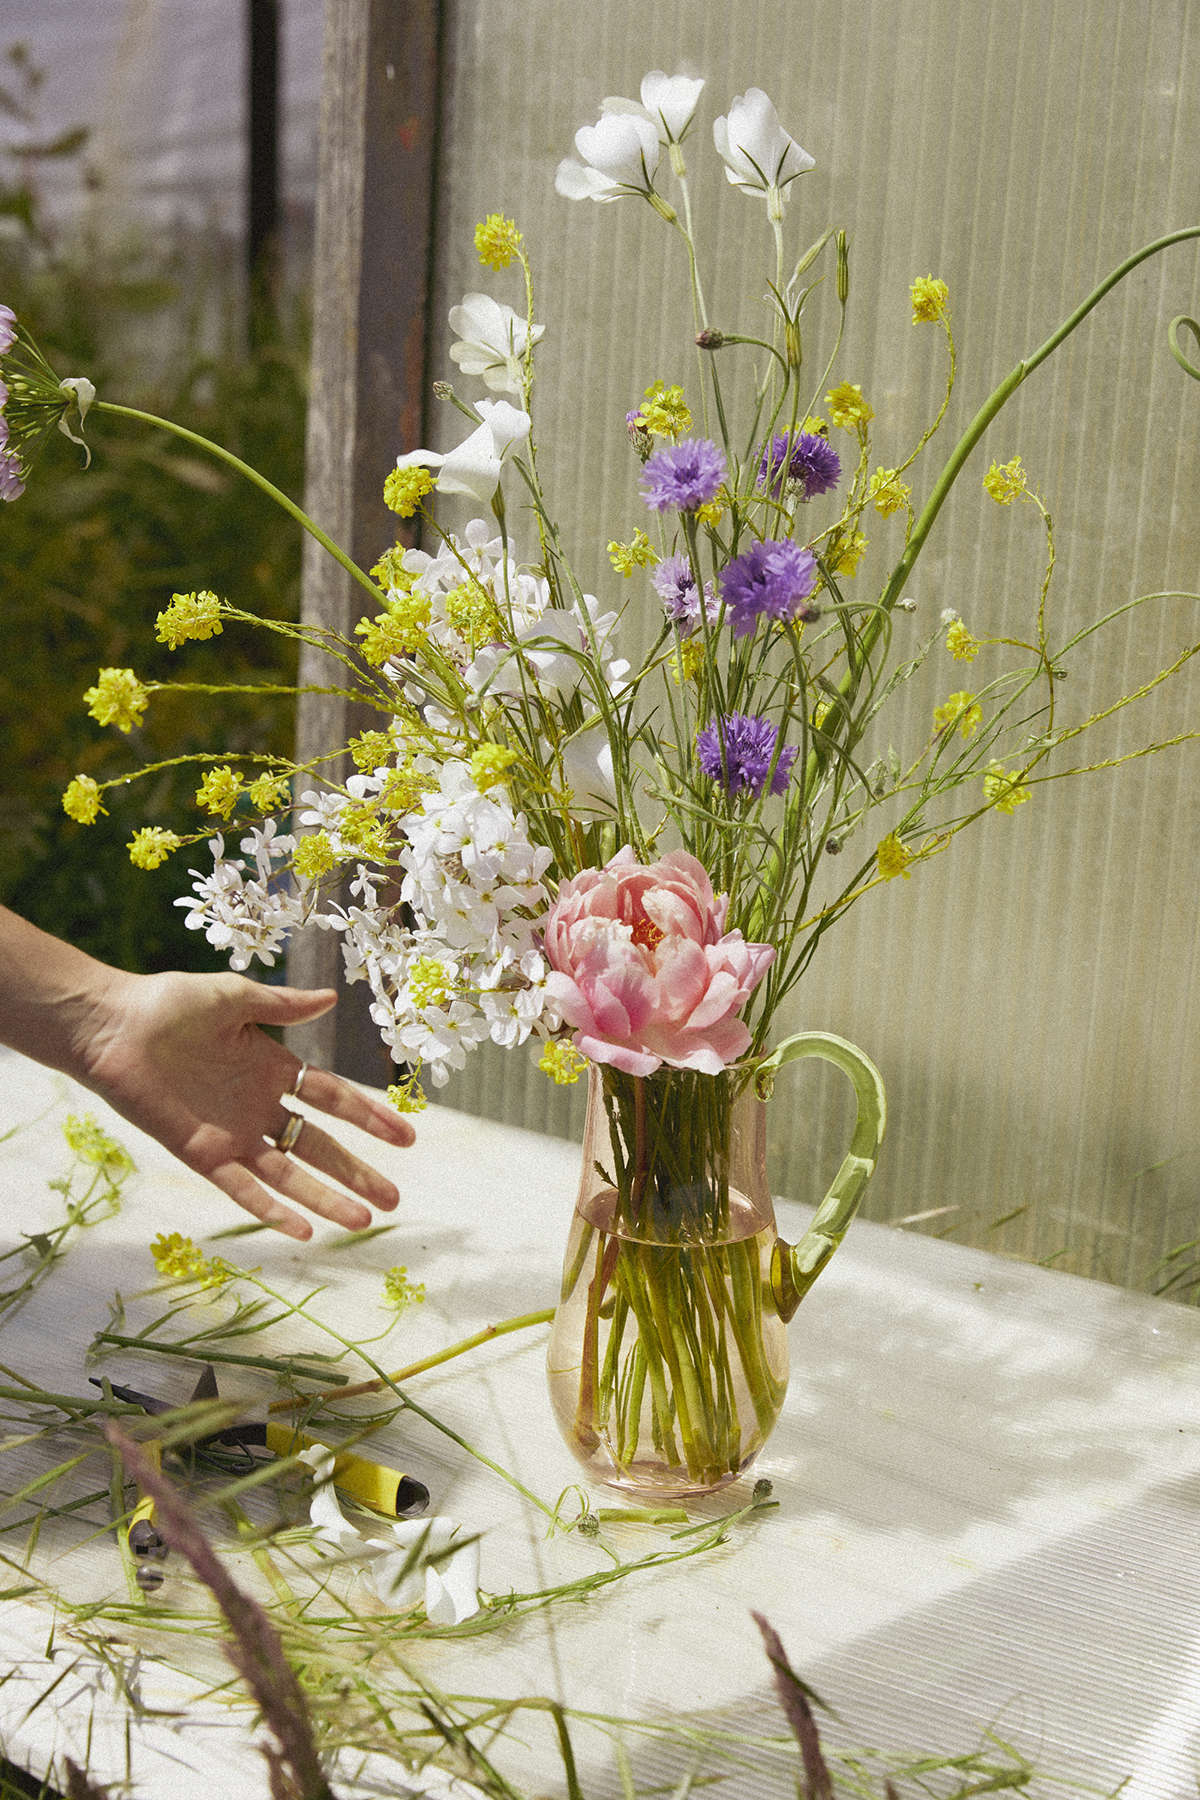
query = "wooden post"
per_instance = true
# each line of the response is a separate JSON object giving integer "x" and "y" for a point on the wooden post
{"x": 373, "y": 255}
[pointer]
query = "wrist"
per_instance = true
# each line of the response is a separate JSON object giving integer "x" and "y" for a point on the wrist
{"x": 57, "y": 1003}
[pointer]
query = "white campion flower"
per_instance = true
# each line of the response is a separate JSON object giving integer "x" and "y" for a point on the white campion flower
{"x": 620, "y": 155}
{"x": 758, "y": 154}
{"x": 402, "y": 1559}
{"x": 587, "y": 760}
{"x": 558, "y": 672}
{"x": 491, "y": 341}
{"x": 668, "y": 101}
{"x": 474, "y": 467}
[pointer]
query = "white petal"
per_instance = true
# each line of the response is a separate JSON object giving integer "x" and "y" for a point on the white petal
{"x": 671, "y": 99}
{"x": 576, "y": 181}
{"x": 622, "y": 146}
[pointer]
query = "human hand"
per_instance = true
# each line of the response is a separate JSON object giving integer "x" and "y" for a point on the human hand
{"x": 182, "y": 1057}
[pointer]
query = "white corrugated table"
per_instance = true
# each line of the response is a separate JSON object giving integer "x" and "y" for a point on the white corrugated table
{"x": 988, "y": 1479}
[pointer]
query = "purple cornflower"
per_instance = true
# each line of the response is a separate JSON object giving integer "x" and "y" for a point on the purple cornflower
{"x": 8, "y": 328}
{"x": 772, "y": 580}
{"x": 808, "y": 462}
{"x": 738, "y": 751}
{"x": 681, "y": 477}
{"x": 675, "y": 584}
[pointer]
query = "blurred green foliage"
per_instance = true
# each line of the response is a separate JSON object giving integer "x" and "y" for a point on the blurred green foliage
{"x": 88, "y": 557}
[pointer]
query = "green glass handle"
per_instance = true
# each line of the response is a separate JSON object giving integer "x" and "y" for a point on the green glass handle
{"x": 794, "y": 1267}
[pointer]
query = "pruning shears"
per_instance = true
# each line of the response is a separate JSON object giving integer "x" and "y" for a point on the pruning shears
{"x": 383, "y": 1489}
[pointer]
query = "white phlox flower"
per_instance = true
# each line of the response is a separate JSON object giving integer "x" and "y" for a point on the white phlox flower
{"x": 467, "y": 965}
{"x": 476, "y": 557}
{"x": 619, "y": 155}
{"x": 491, "y": 341}
{"x": 758, "y": 154}
{"x": 249, "y": 919}
{"x": 475, "y": 467}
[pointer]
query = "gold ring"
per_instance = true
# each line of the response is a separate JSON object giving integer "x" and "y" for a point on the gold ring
{"x": 287, "y": 1137}
{"x": 293, "y": 1092}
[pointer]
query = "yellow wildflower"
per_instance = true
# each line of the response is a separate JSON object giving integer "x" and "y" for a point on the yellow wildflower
{"x": 814, "y": 426}
{"x": 561, "y": 1062}
{"x": 893, "y": 859}
{"x": 398, "y": 632}
{"x": 497, "y": 241}
{"x": 849, "y": 553}
{"x": 268, "y": 791}
{"x": 639, "y": 553}
{"x": 687, "y": 659}
{"x": 399, "y": 1291}
{"x": 313, "y": 856}
{"x": 390, "y": 572}
{"x": 847, "y": 407}
{"x": 404, "y": 490}
{"x": 471, "y": 612}
{"x": 81, "y": 800}
{"x": 709, "y": 513}
{"x": 363, "y": 829}
{"x": 929, "y": 300}
{"x": 150, "y": 847}
{"x": 959, "y": 642}
{"x": 91, "y": 1143}
{"x": 430, "y": 982}
{"x": 372, "y": 750}
{"x": 177, "y": 1258}
{"x": 1005, "y": 482}
{"x": 118, "y": 698}
{"x": 1003, "y": 789}
{"x": 189, "y": 616}
{"x": 219, "y": 790}
{"x": 961, "y": 709}
{"x": 405, "y": 786}
{"x": 490, "y": 763}
{"x": 887, "y": 492}
{"x": 664, "y": 411}
{"x": 407, "y": 1096}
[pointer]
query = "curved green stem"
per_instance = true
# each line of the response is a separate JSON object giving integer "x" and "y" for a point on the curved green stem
{"x": 967, "y": 442}
{"x": 260, "y": 481}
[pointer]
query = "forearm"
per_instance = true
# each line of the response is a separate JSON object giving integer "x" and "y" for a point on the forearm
{"x": 54, "y": 999}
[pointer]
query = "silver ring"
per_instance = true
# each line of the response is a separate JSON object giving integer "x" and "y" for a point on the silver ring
{"x": 293, "y": 1092}
{"x": 287, "y": 1137}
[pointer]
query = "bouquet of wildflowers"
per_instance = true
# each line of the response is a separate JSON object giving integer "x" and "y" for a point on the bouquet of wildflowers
{"x": 628, "y": 864}
{"x": 628, "y": 860}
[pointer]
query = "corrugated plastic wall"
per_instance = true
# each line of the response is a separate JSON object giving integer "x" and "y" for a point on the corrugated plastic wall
{"x": 1033, "y": 997}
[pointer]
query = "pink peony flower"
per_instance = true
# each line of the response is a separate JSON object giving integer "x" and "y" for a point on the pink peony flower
{"x": 644, "y": 970}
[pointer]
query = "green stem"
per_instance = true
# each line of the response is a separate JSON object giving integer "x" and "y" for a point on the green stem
{"x": 958, "y": 456}
{"x": 260, "y": 481}
{"x": 201, "y": 1353}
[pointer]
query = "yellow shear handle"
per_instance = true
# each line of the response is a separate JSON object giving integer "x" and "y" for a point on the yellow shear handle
{"x": 371, "y": 1483}
{"x": 143, "y": 1512}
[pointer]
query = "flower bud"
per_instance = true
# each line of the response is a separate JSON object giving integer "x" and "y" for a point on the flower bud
{"x": 843, "y": 267}
{"x": 442, "y": 390}
{"x": 833, "y": 846}
{"x": 710, "y": 338}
